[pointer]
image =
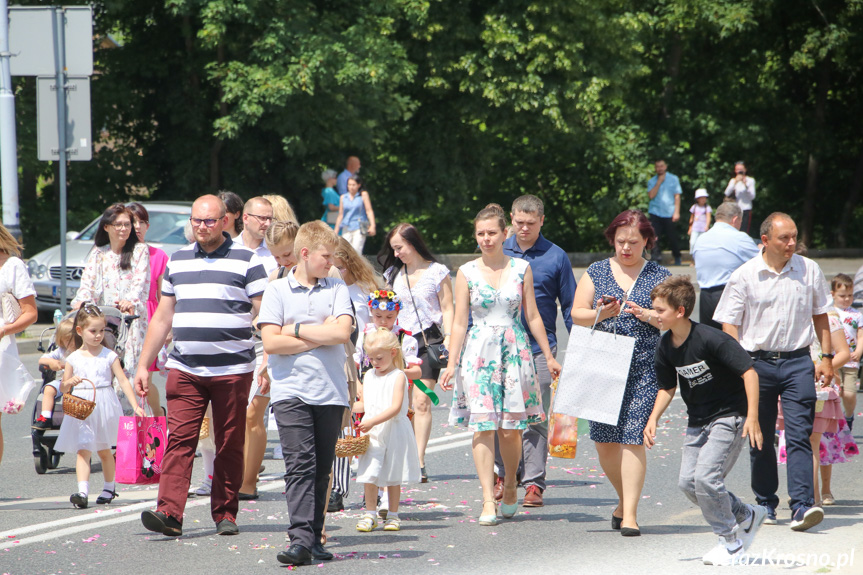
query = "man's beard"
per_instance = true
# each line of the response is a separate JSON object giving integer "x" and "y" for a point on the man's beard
{"x": 214, "y": 242}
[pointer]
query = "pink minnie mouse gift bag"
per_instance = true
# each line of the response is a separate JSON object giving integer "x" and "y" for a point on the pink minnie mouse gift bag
{"x": 141, "y": 443}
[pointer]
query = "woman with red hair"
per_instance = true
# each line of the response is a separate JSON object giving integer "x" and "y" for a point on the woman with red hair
{"x": 625, "y": 278}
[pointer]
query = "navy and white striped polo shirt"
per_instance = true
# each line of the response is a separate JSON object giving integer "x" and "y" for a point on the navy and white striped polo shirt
{"x": 213, "y": 314}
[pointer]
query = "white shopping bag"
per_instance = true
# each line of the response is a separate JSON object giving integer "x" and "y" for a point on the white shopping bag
{"x": 15, "y": 384}
{"x": 594, "y": 375}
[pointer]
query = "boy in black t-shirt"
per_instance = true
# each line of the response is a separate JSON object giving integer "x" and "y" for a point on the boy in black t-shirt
{"x": 720, "y": 389}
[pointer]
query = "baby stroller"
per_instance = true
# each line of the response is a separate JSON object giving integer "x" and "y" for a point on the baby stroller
{"x": 116, "y": 332}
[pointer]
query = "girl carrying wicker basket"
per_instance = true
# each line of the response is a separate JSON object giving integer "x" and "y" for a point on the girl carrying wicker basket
{"x": 87, "y": 377}
{"x": 391, "y": 458}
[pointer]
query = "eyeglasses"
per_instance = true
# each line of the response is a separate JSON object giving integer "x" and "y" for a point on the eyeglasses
{"x": 262, "y": 219}
{"x": 196, "y": 222}
{"x": 122, "y": 225}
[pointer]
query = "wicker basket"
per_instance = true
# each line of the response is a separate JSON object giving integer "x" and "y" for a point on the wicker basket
{"x": 205, "y": 429}
{"x": 351, "y": 446}
{"x": 78, "y": 407}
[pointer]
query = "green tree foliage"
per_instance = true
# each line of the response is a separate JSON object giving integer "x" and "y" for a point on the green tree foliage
{"x": 452, "y": 104}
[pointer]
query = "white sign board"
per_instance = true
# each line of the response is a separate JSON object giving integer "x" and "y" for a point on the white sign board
{"x": 31, "y": 41}
{"x": 79, "y": 141}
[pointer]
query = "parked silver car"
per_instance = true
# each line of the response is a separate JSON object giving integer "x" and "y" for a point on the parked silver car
{"x": 167, "y": 224}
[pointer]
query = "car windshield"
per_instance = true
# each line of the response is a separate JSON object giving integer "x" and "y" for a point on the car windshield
{"x": 165, "y": 227}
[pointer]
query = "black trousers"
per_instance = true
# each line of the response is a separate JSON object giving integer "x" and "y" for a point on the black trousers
{"x": 745, "y": 221}
{"x": 707, "y": 305}
{"x": 308, "y": 436}
{"x": 791, "y": 379}
{"x": 664, "y": 227}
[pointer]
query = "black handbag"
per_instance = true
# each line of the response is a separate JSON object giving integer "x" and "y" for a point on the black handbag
{"x": 432, "y": 337}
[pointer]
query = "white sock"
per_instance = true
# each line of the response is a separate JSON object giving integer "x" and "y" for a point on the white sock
{"x": 84, "y": 487}
{"x": 209, "y": 458}
{"x": 109, "y": 486}
{"x": 46, "y": 414}
{"x": 732, "y": 543}
{"x": 392, "y": 515}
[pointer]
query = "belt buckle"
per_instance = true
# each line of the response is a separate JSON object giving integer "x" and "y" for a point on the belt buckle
{"x": 774, "y": 355}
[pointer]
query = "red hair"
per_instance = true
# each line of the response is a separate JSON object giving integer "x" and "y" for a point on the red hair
{"x": 635, "y": 219}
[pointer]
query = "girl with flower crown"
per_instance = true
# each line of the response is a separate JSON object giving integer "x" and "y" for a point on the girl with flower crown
{"x": 384, "y": 306}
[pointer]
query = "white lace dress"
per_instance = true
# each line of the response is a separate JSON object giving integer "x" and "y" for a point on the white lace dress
{"x": 104, "y": 283}
{"x": 99, "y": 430}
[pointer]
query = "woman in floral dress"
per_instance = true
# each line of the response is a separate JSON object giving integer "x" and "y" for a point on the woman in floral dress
{"x": 118, "y": 274}
{"x": 491, "y": 366}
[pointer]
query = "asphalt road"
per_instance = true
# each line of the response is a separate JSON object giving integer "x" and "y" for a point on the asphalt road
{"x": 40, "y": 532}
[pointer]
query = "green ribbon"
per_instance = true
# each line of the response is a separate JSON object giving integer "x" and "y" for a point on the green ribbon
{"x": 432, "y": 395}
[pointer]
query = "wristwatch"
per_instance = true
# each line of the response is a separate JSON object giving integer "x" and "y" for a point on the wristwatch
{"x": 828, "y": 355}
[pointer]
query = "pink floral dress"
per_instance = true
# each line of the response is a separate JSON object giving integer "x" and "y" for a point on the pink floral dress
{"x": 495, "y": 381}
{"x": 104, "y": 283}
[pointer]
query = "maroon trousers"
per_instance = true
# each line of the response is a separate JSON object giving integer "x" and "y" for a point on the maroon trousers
{"x": 188, "y": 396}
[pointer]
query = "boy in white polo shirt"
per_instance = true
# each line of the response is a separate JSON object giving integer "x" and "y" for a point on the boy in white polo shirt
{"x": 305, "y": 319}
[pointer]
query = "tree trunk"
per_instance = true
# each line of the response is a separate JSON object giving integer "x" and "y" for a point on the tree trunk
{"x": 216, "y": 148}
{"x": 850, "y": 203}
{"x": 817, "y": 136}
{"x": 674, "y": 56}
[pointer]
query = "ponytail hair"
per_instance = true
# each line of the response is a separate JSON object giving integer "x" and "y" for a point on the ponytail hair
{"x": 491, "y": 212}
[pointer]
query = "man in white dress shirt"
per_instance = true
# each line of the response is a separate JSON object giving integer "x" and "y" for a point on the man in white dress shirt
{"x": 776, "y": 305}
{"x": 257, "y": 217}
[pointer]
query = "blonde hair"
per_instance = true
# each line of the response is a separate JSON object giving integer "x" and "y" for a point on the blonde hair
{"x": 359, "y": 267}
{"x": 313, "y": 235}
{"x": 281, "y": 232}
{"x": 8, "y": 244}
{"x": 384, "y": 340}
{"x": 282, "y": 210}
{"x": 65, "y": 333}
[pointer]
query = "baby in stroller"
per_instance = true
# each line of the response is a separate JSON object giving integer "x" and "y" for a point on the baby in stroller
{"x": 50, "y": 363}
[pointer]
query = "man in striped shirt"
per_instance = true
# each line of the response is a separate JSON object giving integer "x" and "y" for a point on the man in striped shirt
{"x": 210, "y": 292}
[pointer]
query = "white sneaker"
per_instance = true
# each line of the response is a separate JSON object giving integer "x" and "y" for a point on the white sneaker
{"x": 724, "y": 553}
{"x": 205, "y": 488}
{"x": 747, "y": 529}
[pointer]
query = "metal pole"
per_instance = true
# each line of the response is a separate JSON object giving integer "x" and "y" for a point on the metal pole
{"x": 60, "y": 67}
{"x": 8, "y": 142}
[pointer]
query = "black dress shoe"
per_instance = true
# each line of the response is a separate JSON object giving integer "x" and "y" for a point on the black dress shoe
{"x": 630, "y": 532}
{"x": 336, "y": 503}
{"x": 227, "y": 527}
{"x": 247, "y": 496}
{"x": 161, "y": 523}
{"x": 295, "y": 555}
{"x": 79, "y": 500}
{"x": 615, "y": 522}
{"x": 319, "y": 553}
{"x": 102, "y": 500}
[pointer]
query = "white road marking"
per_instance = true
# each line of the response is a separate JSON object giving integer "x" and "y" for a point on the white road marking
{"x": 92, "y": 521}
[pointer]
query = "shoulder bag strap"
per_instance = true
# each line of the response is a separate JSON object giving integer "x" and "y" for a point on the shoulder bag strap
{"x": 416, "y": 311}
{"x": 626, "y": 295}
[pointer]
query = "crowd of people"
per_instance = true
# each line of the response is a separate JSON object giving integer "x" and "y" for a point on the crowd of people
{"x": 261, "y": 313}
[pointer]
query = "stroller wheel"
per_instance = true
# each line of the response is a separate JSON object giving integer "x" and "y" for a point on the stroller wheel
{"x": 40, "y": 462}
{"x": 53, "y": 459}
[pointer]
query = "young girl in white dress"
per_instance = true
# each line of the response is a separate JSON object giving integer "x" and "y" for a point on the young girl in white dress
{"x": 93, "y": 362}
{"x": 391, "y": 458}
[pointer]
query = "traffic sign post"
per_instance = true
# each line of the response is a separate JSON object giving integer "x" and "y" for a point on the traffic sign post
{"x": 55, "y": 41}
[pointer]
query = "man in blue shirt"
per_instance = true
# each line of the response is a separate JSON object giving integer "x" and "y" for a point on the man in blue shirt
{"x": 553, "y": 281}
{"x": 664, "y": 209}
{"x": 352, "y": 166}
{"x": 717, "y": 253}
